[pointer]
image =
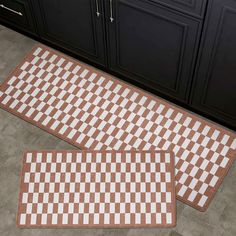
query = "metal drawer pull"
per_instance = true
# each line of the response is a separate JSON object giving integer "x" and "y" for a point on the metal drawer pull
{"x": 9, "y": 9}
{"x": 97, "y": 12}
{"x": 111, "y": 11}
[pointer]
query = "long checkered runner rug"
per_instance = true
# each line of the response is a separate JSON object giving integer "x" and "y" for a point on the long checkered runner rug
{"x": 93, "y": 110}
{"x": 112, "y": 189}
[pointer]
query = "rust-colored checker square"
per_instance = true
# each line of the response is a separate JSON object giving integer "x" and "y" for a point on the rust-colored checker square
{"x": 113, "y": 189}
{"x": 92, "y": 110}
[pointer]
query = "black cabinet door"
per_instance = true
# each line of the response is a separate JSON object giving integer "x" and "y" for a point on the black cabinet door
{"x": 74, "y": 25}
{"x": 215, "y": 89}
{"x": 153, "y": 45}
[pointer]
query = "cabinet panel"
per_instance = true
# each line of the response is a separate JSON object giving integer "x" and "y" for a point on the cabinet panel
{"x": 192, "y": 7}
{"x": 74, "y": 25}
{"x": 153, "y": 46}
{"x": 17, "y": 13}
{"x": 215, "y": 90}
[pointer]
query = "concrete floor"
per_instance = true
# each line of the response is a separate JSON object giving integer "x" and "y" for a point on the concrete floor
{"x": 17, "y": 135}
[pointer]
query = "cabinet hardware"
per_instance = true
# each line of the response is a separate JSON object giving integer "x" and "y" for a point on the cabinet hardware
{"x": 97, "y": 8}
{"x": 111, "y": 11}
{"x": 9, "y": 9}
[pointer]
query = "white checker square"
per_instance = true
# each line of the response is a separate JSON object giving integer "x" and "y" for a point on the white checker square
{"x": 203, "y": 188}
{"x": 182, "y": 190}
{"x": 192, "y": 196}
{"x": 214, "y": 180}
{"x": 202, "y": 201}
{"x": 224, "y": 162}
{"x": 22, "y": 219}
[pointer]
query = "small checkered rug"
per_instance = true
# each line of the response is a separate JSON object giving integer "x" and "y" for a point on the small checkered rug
{"x": 93, "y": 110}
{"x": 113, "y": 189}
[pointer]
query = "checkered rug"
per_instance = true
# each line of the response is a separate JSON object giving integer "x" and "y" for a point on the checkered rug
{"x": 93, "y": 110}
{"x": 114, "y": 189}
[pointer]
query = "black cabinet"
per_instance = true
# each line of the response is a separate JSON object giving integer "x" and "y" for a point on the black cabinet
{"x": 17, "y": 13}
{"x": 76, "y": 25}
{"x": 156, "y": 44}
{"x": 153, "y": 45}
{"x": 214, "y": 91}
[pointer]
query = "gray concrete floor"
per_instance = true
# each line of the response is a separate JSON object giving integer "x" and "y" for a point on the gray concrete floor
{"x": 17, "y": 135}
